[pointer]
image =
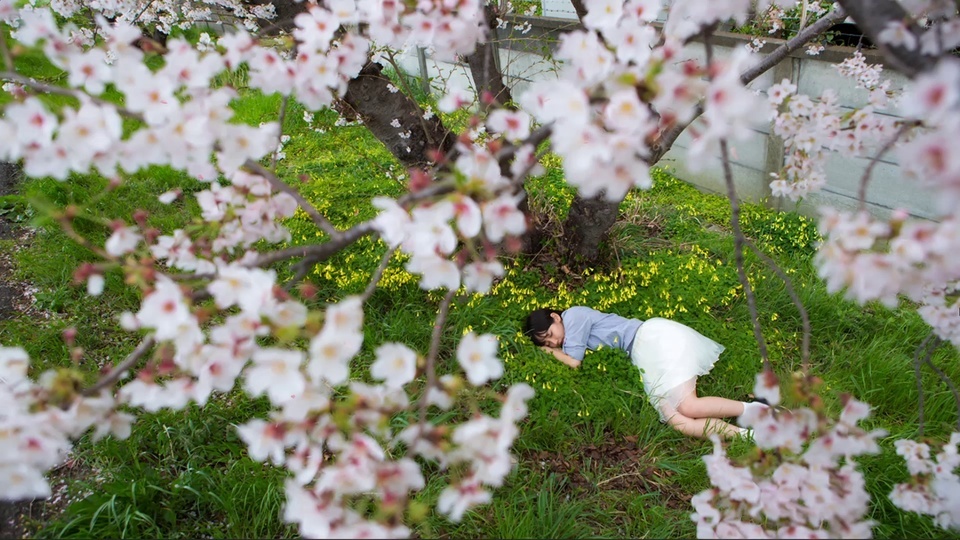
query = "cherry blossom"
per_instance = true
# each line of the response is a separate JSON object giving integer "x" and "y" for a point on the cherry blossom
{"x": 477, "y": 355}
{"x": 396, "y": 364}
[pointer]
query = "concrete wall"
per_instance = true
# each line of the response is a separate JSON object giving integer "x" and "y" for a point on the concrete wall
{"x": 523, "y": 60}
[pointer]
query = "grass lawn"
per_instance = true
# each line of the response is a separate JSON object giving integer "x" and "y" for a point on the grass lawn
{"x": 592, "y": 458}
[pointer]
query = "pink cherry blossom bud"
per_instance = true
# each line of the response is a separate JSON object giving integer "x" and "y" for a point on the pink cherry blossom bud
{"x": 140, "y": 217}
{"x": 899, "y": 215}
{"x": 462, "y": 257}
{"x": 69, "y": 335}
{"x": 418, "y": 180}
{"x": 494, "y": 145}
{"x": 151, "y": 235}
{"x": 114, "y": 183}
{"x": 486, "y": 97}
{"x": 436, "y": 156}
{"x": 117, "y": 224}
{"x": 166, "y": 366}
{"x": 308, "y": 290}
{"x": 76, "y": 354}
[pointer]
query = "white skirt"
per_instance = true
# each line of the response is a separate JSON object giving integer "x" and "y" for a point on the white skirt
{"x": 669, "y": 354}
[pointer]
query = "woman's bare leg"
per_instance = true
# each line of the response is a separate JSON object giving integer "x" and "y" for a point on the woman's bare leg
{"x": 692, "y": 406}
{"x": 701, "y": 428}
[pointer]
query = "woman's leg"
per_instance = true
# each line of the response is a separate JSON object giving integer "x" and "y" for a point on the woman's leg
{"x": 702, "y": 427}
{"x": 697, "y": 427}
{"x": 690, "y": 405}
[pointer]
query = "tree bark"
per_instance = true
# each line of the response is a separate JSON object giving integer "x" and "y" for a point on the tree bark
{"x": 587, "y": 226}
{"x": 368, "y": 97}
{"x": 485, "y": 65}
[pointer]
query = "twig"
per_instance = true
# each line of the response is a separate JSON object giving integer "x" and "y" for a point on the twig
{"x": 59, "y": 90}
{"x": 617, "y": 477}
{"x": 283, "y": 115}
{"x": 311, "y": 210}
{"x": 431, "y": 367}
{"x": 738, "y": 237}
{"x": 377, "y": 274}
{"x": 944, "y": 377}
{"x": 120, "y": 368}
{"x": 865, "y": 179}
{"x": 804, "y": 317}
{"x": 916, "y": 372}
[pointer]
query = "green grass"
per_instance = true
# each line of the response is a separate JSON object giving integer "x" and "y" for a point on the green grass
{"x": 186, "y": 474}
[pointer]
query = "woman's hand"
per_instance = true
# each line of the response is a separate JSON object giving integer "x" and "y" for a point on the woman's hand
{"x": 562, "y": 356}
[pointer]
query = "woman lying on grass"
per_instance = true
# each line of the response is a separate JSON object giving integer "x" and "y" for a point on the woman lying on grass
{"x": 670, "y": 356}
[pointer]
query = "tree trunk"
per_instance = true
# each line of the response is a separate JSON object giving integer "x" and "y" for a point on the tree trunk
{"x": 485, "y": 65}
{"x": 368, "y": 97}
{"x": 586, "y": 226}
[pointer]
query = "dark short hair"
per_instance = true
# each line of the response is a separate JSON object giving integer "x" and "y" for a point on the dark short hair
{"x": 538, "y": 322}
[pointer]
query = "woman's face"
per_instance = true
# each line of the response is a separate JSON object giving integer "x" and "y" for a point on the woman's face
{"x": 554, "y": 335}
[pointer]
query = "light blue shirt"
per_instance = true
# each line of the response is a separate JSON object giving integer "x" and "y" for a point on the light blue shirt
{"x": 585, "y": 328}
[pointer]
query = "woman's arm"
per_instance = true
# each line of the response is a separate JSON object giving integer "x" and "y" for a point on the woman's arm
{"x": 562, "y": 356}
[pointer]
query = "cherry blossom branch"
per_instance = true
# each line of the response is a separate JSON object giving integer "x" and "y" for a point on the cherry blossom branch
{"x": 865, "y": 179}
{"x": 377, "y": 274}
{"x": 59, "y": 90}
{"x": 317, "y": 252}
{"x": 666, "y": 140}
{"x": 738, "y": 242}
{"x": 872, "y": 17}
{"x": 431, "y": 367}
{"x": 801, "y": 39}
{"x": 788, "y": 284}
{"x": 917, "y": 362}
{"x": 279, "y": 184}
{"x": 120, "y": 368}
{"x": 65, "y": 223}
{"x": 944, "y": 377}
{"x": 738, "y": 238}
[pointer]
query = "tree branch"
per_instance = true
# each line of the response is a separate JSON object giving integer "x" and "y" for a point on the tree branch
{"x": 738, "y": 238}
{"x": 317, "y": 252}
{"x": 917, "y": 361}
{"x": 872, "y": 17}
{"x": 944, "y": 377}
{"x": 788, "y": 284}
{"x": 377, "y": 274}
{"x": 665, "y": 142}
{"x": 793, "y": 44}
{"x": 865, "y": 179}
{"x": 279, "y": 184}
{"x": 69, "y": 92}
{"x": 431, "y": 361}
{"x": 120, "y": 368}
